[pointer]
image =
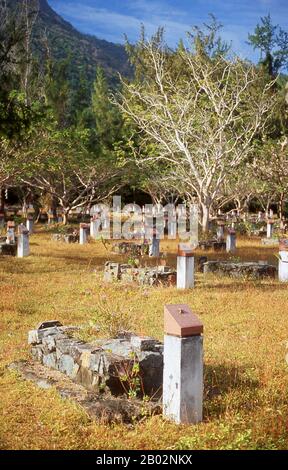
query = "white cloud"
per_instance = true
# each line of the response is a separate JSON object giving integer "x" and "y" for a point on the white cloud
{"x": 115, "y": 25}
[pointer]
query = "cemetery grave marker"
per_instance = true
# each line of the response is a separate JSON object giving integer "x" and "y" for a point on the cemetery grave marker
{"x": 183, "y": 365}
{"x": 185, "y": 267}
{"x": 283, "y": 261}
{"x": 23, "y": 248}
{"x": 231, "y": 241}
{"x": 10, "y": 239}
{"x": 30, "y": 223}
{"x": 84, "y": 231}
{"x": 270, "y": 228}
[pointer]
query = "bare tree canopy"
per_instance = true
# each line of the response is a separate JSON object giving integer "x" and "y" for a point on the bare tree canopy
{"x": 203, "y": 110}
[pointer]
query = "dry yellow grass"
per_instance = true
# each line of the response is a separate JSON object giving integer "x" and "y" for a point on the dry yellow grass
{"x": 246, "y": 330}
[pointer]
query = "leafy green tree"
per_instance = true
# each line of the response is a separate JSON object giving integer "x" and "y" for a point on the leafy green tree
{"x": 81, "y": 102}
{"x": 272, "y": 42}
{"x": 57, "y": 90}
{"x": 61, "y": 166}
{"x": 18, "y": 114}
{"x": 108, "y": 119}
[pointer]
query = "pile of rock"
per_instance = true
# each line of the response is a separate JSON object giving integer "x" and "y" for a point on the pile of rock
{"x": 149, "y": 276}
{"x": 215, "y": 245}
{"x": 101, "y": 366}
{"x": 135, "y": 249}
{"x": 249, "y": 269}
{"x": 270, "y": 241}
{"x": 65, "y": 238}
{"x": 8, "y": 250}
{"x": 13, "y": 245}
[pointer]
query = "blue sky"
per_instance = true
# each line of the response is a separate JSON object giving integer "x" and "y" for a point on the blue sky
{"x": 110, "y": 19}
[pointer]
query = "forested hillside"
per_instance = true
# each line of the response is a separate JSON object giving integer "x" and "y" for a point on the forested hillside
{"x": 53, "y": 35}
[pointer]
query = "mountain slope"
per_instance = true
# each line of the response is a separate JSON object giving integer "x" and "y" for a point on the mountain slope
{"x": 86, "y": 51}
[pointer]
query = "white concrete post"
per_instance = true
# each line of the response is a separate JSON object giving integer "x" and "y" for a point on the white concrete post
{"x": 183, "y": 365}
{"x": 83, "y": 237}
{"x": 30, "y": 224}
{"x": 106, "y": 222}
{"x": 172, "y": 225}
{"x": 231, "y": 241}
{"x": 2, "y": 220}
{"x": 95, "y": 227}
{"x": 143, "y": 228}
{"x": 185, "y": 267}
{"x": 173, "y": 230}
{"x": 10, "y": 236}
{"x": 270, "y": 225}
{"x": 23, "y": 248}
{"x": 283, "y": 261}
{"x": 220, "y": 231}
{"x": 51, "y": 219}
{"x": 154, "y": 248}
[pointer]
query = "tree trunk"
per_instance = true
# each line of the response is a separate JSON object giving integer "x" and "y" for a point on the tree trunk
{"x": 205, "y": 216}
{"x": 54, "y": 207}
{"x": 2, "y": 199}
{"x": 267, "y": 208}
{"x": 281, "y": 206}
{"x": 38, "y": 215}
{"x": 65, "y": 217}
{"x": 237, "y": 204}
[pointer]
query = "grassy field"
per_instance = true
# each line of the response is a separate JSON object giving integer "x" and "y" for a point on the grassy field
{"x": 245, "y": 337}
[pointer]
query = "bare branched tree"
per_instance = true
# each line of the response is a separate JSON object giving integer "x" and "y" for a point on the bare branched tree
{"x": 203, "y": 113}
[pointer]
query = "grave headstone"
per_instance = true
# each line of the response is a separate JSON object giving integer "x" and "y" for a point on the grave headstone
{"x": 183, "y": 365}
{"x": 84, "y": 231}
{"x": 23, "y": 248}
{"x": 106, "y": 221}
{"x": 231, "y": 241}
{"x": 170, "y": 218}
{"x": 220, "y": 230}
{"x": 154, "y": 248}
{"x": 283, "y": 260}
{"x": 10, "y": 238}
{"x": 270, "y": 227}
{"x": 51, "y": 217}
{"x": 95, "y": 226}
{"x": 185, "y": 267}
{"x": 2, "y": 220}
{"x": 30, "y": 224}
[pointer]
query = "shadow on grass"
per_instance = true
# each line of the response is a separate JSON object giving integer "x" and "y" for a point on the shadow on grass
{"x": 222, "y": 380}
{"x": 240, "y": 285}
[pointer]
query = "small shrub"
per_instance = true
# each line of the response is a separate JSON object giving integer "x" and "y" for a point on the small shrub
{"x": 131, "y": 379}
{"x": 111, "y": 318}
